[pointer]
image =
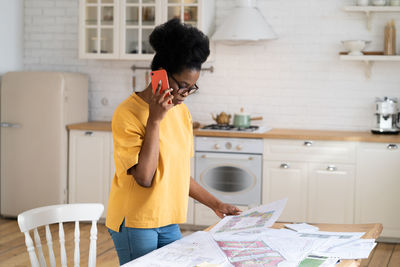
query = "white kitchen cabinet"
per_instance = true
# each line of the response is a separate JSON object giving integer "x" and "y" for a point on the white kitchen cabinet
{"x": 316, "y": 176}
{"x": 99, "y": 29}
{"x": 90, "y": 167}
{"x": 137, "y": 21}
{"x": 309, "y": 150}
{"x": 203, "y": 215}
{"x": 286, "y": 179}
{"x": 378, "y": 186}
{"x": 331, "y": 193}
{"x": 113, "y": 29}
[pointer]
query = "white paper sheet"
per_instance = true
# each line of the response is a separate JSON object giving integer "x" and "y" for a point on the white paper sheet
{"x": 256, "y": 218}
{"x": 340, "y": 237}
{"x": 355, "y": 249}
{"x": 293, "y": 248}
{"x": 301, "y": 227}
{"x": 332, "y": 238}
{"x": 189, "y": 251}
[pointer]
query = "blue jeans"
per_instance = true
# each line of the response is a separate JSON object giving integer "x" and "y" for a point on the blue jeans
{"x": 131, "y": 243}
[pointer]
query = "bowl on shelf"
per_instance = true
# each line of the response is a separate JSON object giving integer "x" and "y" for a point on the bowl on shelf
{"x": 355, "y": 46}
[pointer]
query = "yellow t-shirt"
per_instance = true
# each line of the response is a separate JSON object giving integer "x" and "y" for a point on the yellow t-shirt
{"x": 165, "y": 202}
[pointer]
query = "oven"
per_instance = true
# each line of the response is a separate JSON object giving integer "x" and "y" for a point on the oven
{"x": 230, "y": 168}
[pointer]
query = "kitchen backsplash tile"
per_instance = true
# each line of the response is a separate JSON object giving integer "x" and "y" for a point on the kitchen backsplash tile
{"x": 295, "y": 81}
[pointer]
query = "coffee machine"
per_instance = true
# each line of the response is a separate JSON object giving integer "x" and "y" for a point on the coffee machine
{"x": 386, "y": 116}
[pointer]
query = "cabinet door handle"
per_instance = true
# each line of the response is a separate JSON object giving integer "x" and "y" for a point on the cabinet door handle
{"x": 308, "y": 143}
{"x": 331, "y": 168}
{"x": 9, "y": 125}
{"x": 88, "y": 133}
{"x": 231, "y": 157}
{"x": 392, "y": 146}
{"x": 284, "y": 166}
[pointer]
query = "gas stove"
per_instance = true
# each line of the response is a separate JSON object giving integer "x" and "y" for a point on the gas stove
{"x": 232, "y": 128}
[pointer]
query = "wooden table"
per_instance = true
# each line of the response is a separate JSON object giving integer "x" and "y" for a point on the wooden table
{"x": 371, "y": 231}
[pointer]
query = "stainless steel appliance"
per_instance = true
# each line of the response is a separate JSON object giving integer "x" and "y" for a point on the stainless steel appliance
{"x": 230, "y": 168}
{"x": 386, "y": 116}
{"x": 230, "y": 127}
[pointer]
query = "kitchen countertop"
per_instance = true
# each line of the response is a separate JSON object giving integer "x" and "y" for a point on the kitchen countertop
{"x": 299, "y": 134}
{"x": 91, "y": 126}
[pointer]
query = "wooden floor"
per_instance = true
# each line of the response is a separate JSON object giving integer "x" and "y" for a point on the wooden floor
{"x": 13, "y": 250}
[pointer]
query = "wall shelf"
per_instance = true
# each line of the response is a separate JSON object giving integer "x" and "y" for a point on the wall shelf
{"x": 369, "y": 60}
{"x": 368, "y": 10}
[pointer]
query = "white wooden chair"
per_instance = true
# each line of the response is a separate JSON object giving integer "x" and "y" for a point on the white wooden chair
{"x": 43, "y": 216}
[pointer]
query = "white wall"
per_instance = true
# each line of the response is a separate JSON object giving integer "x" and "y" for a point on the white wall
{"x": 296, "y": 81}
{"x": 12, "y": 37}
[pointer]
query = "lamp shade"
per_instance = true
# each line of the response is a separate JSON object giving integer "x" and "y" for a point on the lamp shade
{"x": 244, "y": 24}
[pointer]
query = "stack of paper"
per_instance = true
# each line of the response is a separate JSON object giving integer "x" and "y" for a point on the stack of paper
{"x": 247, "y": 240}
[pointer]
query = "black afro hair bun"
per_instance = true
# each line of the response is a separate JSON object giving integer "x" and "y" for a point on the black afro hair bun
{"x": 178, "y": 46}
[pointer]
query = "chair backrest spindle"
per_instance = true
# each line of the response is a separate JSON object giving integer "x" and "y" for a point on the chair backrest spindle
{"x": 49, "y": 239}
{"x": 92, "y": 251}
{"x": 38, "y": 244}
{"x": 63, "y": 253}
{"x": 76, "y": 253}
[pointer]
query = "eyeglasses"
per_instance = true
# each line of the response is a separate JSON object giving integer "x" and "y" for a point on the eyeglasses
{"x": 182, "y": 89}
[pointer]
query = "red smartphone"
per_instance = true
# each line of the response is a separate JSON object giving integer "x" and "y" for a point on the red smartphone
{"x": 157, "y": 76}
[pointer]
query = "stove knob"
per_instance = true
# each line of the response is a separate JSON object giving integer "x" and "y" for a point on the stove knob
{"x": 228, "y": 145}
{"x": 217, "y": 146}
{"x": 239, "y": 147}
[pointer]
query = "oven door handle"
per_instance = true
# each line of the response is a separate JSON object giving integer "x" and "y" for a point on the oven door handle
{"x": 236, "y": 157}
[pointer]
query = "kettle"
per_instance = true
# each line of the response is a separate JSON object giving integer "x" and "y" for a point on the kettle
{"x": 242, "y": 120}
{"x": 222, "y": 118}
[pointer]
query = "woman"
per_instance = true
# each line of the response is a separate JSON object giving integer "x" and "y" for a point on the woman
{"x": 153, "y": 144}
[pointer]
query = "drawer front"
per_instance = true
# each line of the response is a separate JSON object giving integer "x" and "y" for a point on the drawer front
{"x": 204, "y": 215}
{"x": 309, "y": 150}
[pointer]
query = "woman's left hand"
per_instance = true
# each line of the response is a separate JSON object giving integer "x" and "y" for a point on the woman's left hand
{"x": 225, "y": 209}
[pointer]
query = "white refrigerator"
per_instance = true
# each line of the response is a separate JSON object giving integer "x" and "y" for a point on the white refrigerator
{"x": 35, "y": 109}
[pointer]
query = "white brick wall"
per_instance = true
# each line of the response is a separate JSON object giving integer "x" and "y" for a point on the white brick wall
{"x": 296, "y": 81}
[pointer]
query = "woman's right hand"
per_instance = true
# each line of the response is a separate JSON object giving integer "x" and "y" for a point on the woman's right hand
{"x": 160, "y": 103}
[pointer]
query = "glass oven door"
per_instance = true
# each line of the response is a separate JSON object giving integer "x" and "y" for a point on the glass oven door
{"x": 231, "y": 177}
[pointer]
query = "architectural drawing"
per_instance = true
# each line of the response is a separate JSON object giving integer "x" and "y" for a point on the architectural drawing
{"x": 250, "y": 253}
{"x": 236, "y": 224}
{"x": 256, "y": 218}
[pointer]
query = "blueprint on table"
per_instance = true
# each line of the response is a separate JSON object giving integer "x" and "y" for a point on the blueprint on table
{"x": 253, "y": 219}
